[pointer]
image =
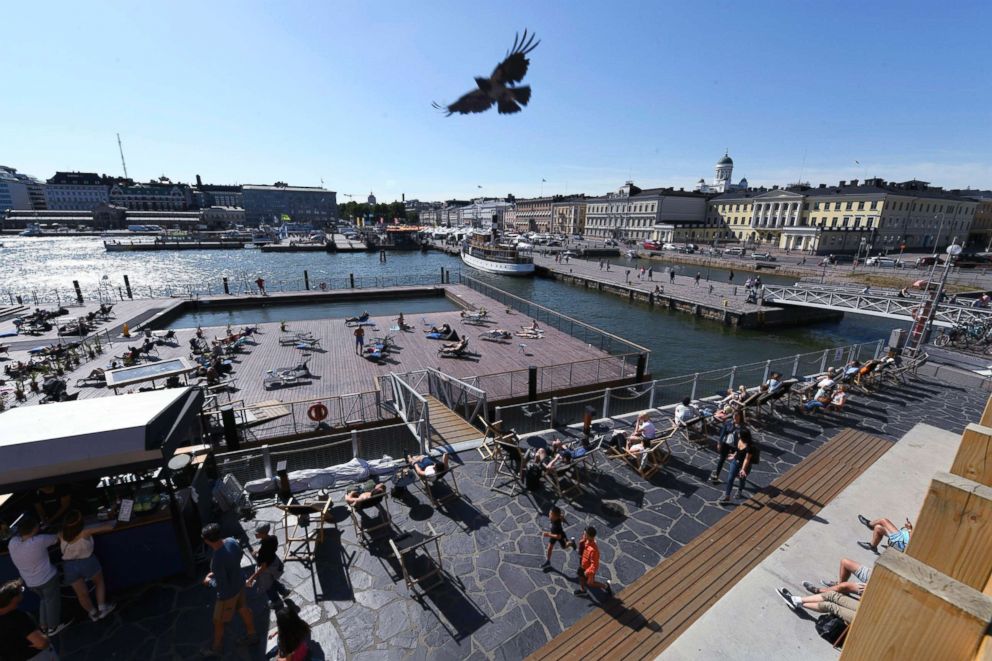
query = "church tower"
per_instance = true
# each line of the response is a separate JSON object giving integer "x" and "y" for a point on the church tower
{"x": 724, "y": 171}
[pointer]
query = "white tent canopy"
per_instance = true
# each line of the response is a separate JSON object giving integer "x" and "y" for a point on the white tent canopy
{"x": 54, "y": 441}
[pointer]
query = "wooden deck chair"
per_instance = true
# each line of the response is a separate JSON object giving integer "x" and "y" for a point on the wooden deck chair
{"x": 688, "y": 427}
{"x": 494, "y": 430}
{"x": 769, "y": 399}
{"x": 566, "y": 479}
{"x": 651, "y": 459}
{"x": 405, "y": 549}
{"x": 364, "y": 527}
{"x": 506, "y": 453}
{"x": 427, "y": 484}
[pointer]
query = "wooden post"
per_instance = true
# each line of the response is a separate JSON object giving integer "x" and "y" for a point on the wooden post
{"x": 974, "y": 458}
{"x": 987, "y": 414}
{"x": 912, "y": 611}
{"x": 954, "y": 531}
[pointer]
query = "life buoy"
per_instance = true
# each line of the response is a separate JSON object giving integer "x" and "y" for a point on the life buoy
{"x": 317, "y": 412}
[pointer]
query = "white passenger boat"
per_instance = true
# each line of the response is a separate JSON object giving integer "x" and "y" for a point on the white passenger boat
{"x": 481, "y": 253}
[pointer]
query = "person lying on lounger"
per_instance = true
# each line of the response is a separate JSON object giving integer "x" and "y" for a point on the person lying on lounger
{"x": 356, "y": 496}
{"x": 549, "y": 458}
{"x": 427, "y": 466}
{"x": 455, "y": 347}
{"x": 445, "y": 329}
{"x": 362, "y": 317}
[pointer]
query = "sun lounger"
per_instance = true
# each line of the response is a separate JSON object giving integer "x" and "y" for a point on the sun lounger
{"x": 405, "y": 548}
{"x": 364, "y": 525}
{"x": 429, "y": 482}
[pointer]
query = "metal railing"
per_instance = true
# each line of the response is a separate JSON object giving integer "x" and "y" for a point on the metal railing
{"x": 257, "y": 463}
{"x": 608, "y": 342}
{"x": 876, "y": 305}
{"x": 343, "y": 411}
{"x": 411, "y": 406}
{"x": 562, "y": 376}
{"x": 237, "y": 285}
{"x": 547, "y": 413}
{"x": 459, "y": 395}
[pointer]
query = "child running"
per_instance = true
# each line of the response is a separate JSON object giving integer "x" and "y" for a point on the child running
{"x": 589, "y": 564}
{"x": 557, "y": 534}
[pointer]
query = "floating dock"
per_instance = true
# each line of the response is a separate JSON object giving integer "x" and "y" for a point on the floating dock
{"x": 153, "y": 246}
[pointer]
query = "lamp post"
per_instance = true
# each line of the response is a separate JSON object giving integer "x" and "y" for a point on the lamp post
{"x": 953, "y": 251}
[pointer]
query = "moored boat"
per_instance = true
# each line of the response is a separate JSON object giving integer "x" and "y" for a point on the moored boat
{"x": 481, "y": 252}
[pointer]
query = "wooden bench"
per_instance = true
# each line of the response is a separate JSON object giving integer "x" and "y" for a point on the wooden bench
{"x": 654, "y": 610}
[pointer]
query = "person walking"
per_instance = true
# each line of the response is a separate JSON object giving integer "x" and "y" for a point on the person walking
{"x": 225, "y": 577}
{"x": 359, "y": 340}
{"x": 727, "y": 442}
{"x": 697, "y": 278}
{"x": 556, "y": 535}
{"x": 671, "y": 275}
{"x": 260, "y": 283}
{"x": 269, "y": 567}
{"x": 650, "y": 273}
{"x": 744, "y": 456}
{"x": 589, "y": 565}
{"x": 627, "y": 277}
{"x": 20, "y": 637}
{"x": 29, "y": 553}
{"x": 81, "y": 565}
{"x": 730, "y": 278}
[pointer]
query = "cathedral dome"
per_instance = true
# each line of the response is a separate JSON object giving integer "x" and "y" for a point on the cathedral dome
{"x": 726, "y": 160}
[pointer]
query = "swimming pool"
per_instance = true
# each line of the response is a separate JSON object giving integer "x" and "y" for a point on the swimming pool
{"x": 205, "y": 314}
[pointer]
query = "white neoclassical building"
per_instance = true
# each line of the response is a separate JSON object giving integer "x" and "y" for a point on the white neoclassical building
{"x": 722, "y": 183}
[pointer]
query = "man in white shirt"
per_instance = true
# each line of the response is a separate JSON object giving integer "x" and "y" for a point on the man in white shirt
{"x": 685, "y": 411}
{"x": 29, "y": 553}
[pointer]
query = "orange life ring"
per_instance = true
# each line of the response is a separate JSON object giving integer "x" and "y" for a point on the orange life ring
{"x": 317, "y": 412}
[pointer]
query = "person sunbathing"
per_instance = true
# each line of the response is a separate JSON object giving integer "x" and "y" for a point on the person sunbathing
{"x": 834, "y": 603}
{"x": 549, "y": 458}
{"x": 644, "y": 432}
{"x": 427, "y": 466}
{"x": 898, "y": 537}
{"x": 356, "y": 496}
{"x": 455, "y": 347}
{"x": 851, "y": 579}
{"x": 360, "y": 318}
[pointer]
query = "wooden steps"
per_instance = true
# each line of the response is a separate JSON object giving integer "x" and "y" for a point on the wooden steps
{"x": 653, "y": 611}
{"x": 447, "y": 427}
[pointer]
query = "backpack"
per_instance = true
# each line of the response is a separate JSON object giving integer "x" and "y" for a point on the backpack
{"x": 830, "y": 627}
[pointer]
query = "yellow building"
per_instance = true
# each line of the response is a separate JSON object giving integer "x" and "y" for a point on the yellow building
{"x": 875, "y": 216}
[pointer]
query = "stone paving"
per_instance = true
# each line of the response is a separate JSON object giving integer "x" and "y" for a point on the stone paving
{"x": 496, "y": 601}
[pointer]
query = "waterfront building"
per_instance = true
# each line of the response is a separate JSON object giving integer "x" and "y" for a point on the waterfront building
{"x": 568, "y": 215}
{"x": 633, "y": 214}
{"x": 482, "y": 212}
{"x": 980, "y": 234}
{"x": 852, "y": 216}
{"x": 530, "y": 215}
{"x": 78, "y": 191}
{"x": 312, "y": 205}
{"x": 20, "y": 191}
{"x": 722, "y": 183}
{"x": 212, "y": 195}
{"x": 161, "y": 195}
{"x": 443, "y": 214}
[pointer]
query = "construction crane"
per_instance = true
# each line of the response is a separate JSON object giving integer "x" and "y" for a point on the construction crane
{"x": 121, "y": 148}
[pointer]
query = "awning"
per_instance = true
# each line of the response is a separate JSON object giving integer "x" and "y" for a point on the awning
{"x": 69, "y": 441}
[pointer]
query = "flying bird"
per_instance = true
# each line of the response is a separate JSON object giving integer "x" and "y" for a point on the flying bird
{"x": 500, "y": 87}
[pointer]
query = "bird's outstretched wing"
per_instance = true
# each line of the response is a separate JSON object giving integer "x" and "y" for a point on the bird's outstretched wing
{"x": 514, "y": 67}
{"x": 474, "y": 101}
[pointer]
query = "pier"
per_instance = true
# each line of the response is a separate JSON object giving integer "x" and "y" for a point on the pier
{"x": 725, "y": 302}
{"x": 149, "y": 246}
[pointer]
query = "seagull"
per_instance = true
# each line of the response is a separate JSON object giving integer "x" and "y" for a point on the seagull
{"x": 500, "y": 88}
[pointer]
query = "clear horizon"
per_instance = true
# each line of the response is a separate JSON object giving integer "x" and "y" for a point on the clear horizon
{"x": 252, "y": 93}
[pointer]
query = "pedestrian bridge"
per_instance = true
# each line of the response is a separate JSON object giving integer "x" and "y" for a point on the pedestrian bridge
{"x": 878, "y": 305}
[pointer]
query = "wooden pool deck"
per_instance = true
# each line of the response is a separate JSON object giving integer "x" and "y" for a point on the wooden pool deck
{"x": 501, "y": 366}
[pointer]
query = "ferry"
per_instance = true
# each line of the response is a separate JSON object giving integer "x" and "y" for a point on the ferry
{"x": 481, "y": 253}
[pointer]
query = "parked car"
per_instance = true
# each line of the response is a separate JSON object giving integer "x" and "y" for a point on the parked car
{"x": 611, "y": 242}
{"x": 715, "y": 252}
{"x": 651, "y": 245}
{"x": 884, "y": 262}
{"x": 669, "y": 246}
{"x": 577, "y": 237}
{"x": 929, "y": 261}
{"x": 734, "y": 251}
{"x": 762, "y": 256}
{"x": 554, "y": 243}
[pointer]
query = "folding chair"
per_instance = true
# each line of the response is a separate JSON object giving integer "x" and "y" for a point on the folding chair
{"x": 651, "y": 459}
{"x": 494, "y": 430}
{"x": 770, "y": 398}
{"x": 298, "y": 534}
{"x": 566, "y": 479}
{"x": 405, "y": 548}
{"x": 363, "y": 526}
{"x": 685, "y": 427}
{"x": 428, "y": 482}
{"x": 506, "y": 452}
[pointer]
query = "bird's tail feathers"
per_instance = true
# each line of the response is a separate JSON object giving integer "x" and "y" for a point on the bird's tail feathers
{"x": 521, "y": 94}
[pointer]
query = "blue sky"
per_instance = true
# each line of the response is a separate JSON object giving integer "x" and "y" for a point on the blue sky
{"x": 254, "y": 92}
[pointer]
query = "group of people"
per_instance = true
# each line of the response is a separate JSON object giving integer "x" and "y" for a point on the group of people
{"x": 587, "y": 548}
{"x": 828, "y": 394}
{"x": 840, "y": 597}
